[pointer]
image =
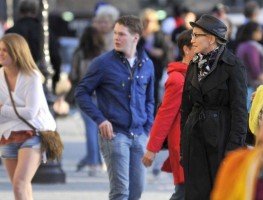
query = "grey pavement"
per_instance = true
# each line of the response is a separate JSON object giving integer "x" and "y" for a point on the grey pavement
{"x": 80, "y": 186}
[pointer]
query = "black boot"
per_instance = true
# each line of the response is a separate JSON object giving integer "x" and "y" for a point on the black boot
{"x": 179, "y": 192}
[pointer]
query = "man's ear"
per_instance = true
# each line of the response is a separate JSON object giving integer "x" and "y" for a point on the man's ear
{"x": 136, "y": 37}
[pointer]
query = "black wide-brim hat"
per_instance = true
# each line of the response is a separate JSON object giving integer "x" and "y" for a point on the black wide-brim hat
{"x": 211, "y": 25}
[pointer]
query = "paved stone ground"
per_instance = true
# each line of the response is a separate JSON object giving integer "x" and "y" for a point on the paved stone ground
{"x": 79, "y": 186}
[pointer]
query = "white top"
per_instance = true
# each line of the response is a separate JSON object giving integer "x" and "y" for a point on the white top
{"x": 30, "y": 103}
{"x": 131, "y": 61}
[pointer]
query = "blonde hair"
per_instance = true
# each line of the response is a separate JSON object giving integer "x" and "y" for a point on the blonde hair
{"x": 19, "y": 52}
{"x": 256, "y": 110}
{"x": 150, "y": 14}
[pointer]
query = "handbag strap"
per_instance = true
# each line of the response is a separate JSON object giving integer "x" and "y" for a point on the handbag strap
{"x": 13, "y": 103}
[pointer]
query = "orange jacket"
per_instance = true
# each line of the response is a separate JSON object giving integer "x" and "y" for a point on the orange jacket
{"x": 238, "y": 175}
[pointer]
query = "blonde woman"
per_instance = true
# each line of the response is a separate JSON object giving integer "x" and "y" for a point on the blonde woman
{"x": 20, "y": 146}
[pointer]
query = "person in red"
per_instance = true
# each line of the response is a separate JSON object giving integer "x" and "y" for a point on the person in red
{"x": 167, "y": 121}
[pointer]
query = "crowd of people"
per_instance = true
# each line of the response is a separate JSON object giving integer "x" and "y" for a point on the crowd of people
{"x": 213, "y": 81}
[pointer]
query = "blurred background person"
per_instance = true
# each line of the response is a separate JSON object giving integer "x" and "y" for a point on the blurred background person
{"x": 220, "y": 12}
{"x": 2, "y": 30}
{"x": 251, "y": 12}
{"x": 91, "y": 45}
{"x": 174, "y": 21}
{"x": 250, "y": 51}
{"x": 231, "y": 41}
{"x": 167, "y": 121}
{"x": 154, "y": 43}
{"x": 186, "y": 16}
{"x": 104, "y": 19}
{"x": 29, "y": 26}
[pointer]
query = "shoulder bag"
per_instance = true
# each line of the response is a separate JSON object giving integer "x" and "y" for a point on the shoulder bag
{"x": 51, "y": 142}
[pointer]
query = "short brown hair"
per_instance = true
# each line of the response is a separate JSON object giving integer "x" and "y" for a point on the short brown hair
{"x": 29, "y": 7}
{"x": 184, "y": 39}
{"x": 132, "y": 22}
{"x": 250, "y": 8}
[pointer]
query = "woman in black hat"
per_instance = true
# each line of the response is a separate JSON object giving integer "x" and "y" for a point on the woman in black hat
{"x": 214, "y": 113}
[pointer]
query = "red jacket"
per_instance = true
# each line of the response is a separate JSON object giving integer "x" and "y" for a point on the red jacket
{"x": 167, "y": 121}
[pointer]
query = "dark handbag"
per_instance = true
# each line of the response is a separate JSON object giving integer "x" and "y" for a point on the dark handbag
{"x": 165, "y": 144}
{"x": 51, "y": 142}
{"x": 250, "y": 137}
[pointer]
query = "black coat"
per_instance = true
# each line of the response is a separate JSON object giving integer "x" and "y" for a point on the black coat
{"x": 214, "y": 121}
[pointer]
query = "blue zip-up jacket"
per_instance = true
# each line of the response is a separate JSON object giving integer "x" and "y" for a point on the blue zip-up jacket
{"x": 124, "y": 94}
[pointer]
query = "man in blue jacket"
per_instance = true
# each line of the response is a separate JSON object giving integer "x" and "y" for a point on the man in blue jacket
{"x": 124, "y": 83}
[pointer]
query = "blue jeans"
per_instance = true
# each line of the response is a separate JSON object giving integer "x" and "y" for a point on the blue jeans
{"x": 93, "y": 156}
{"x": 10, "y": 151}
{"x": 123, "y": 157}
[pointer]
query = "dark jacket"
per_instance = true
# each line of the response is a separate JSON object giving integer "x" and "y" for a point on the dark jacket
{"x": 30, "y": 28}
{"x": 158, "y": 42}
{"x": 124, "y": 94}
{"x": 214, "y": 121}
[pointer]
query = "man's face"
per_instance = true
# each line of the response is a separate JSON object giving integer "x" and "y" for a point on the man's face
{"x": 124, "y": 41}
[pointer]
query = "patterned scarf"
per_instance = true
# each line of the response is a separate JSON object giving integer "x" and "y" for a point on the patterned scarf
{"x": 205, "y": 63}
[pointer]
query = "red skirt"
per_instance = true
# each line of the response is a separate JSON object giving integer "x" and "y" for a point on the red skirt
{"x": 17, "y": 137}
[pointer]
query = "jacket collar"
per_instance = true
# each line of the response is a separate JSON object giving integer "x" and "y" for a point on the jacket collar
{"x": 216, "y": 76}
{"x": 227, "y": 57}
{"x": 142, "y": 56}
{"x": 177, "y": 66}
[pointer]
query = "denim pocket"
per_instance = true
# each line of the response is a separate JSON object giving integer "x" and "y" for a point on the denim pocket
{"x": 141, "y": 84}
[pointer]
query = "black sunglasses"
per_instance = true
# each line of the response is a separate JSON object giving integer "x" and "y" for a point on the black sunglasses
{"x": 194, "y": 35}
